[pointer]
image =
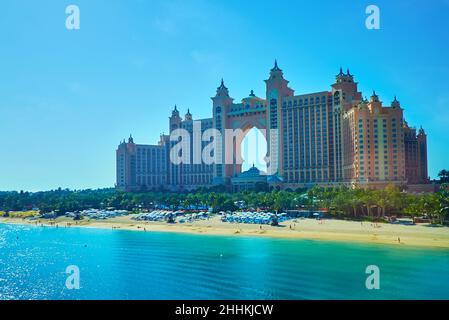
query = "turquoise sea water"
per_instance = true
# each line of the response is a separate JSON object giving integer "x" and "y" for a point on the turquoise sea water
{"x": 136, "y": 265}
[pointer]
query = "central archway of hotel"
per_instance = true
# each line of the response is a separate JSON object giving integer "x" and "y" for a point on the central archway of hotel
{"x": 253, "y": 150}
{"x": 250, "y": 146}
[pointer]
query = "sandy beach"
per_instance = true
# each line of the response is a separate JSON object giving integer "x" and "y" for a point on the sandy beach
{"x": 337, "y": 230}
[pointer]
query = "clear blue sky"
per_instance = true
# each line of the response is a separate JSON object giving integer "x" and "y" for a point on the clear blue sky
{"x": 68, "y": 97}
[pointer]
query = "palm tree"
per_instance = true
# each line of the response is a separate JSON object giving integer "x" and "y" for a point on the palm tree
{"x": 355, "y": 202}
{"x": 381, "y": 202}
{"x": 444, "y": 176}
{"x": 369, "y": 201}
{"x": 443, "y": 199}
{"x": 429, "y": 204}
{"x": 413, "y": 206}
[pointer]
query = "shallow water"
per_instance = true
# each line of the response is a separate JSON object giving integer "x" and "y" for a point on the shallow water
{"x": 117, "y": 264}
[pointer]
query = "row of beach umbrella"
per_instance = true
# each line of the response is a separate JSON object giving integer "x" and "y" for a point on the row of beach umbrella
{"x": 165, "y": 215}
{"x": 254, "y": 217}
{"x": 97, "y": 214}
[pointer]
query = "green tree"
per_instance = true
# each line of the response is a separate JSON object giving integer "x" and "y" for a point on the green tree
{"x": 444, "y": 176}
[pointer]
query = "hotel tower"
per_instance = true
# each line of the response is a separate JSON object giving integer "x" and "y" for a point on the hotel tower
{"x": 327, "y": 138}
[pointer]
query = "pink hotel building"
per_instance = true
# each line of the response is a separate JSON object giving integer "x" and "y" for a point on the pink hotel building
{"x": 326, "y": 138}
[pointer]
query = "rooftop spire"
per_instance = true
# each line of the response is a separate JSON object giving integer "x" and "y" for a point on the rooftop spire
{"x": 188, "y": 116}
{"x": 222, "y": 85}
{"x": 374, "y": 97}
{"x": 175, "y": 111}
{"x": 340, "y": 74}
{"x": 276, "y": 67}
{"x": 395, "y": 102}
{"x": 222, "y": 90}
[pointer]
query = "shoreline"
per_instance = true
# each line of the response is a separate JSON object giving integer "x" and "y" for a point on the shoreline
{"x": 305, "y": 229}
